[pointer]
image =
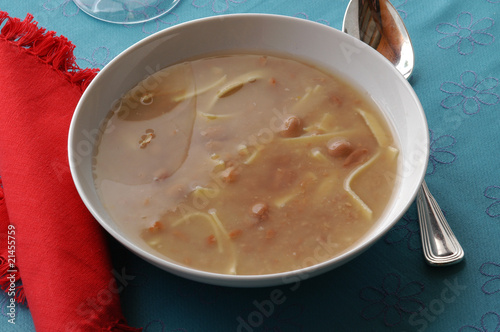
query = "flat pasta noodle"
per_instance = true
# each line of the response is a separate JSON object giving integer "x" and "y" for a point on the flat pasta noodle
{"x": 284, "y": 200}
{"x": 210, "y": 116}
{"x": 326, "y": 187}
{"x": 198, "y": 92}
{"x": 375, "y": 127}
{"x": 218, "y": 222}
{"x": 232, "y": 268}
{"x": 204, "y": 191}
{"x": 367, "y": 212}
{"x": 235, "y": 85}
{"x": 219, "y": 231}
{"x": 212, "y": 222}
{"x": 318, "y": 155}
{"x": 326, "y": 124}
{"x": 249, "y": 77}
{"x": 392, "y": 152}
{"x": 305, "y": 103}
{"x": 318, "y": 139}
{"x": 255, "y": 153}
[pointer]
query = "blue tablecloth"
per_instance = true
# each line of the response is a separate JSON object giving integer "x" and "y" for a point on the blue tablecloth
{"x": 389, "y": 287}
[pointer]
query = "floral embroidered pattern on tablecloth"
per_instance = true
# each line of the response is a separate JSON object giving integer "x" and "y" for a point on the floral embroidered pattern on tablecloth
{"x": 99, "y": 58}
{"x": 470, "y": 92}
{"x": 439, "y": 151}
{"x": 491, "y": 270}
{"x": 391, "y": 301}
{"x": 407, "y": 230}
{"x": 465, "y": 34}
{"x": 490, "y": 322}
{"x": 493, "y": 192}
{"x": 217, "y": 6}
{"x": 69, "y": 8}
{"x": 398, "y": 4}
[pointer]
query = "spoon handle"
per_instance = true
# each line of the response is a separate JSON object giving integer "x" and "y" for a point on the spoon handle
{"x": 440, "y": 245}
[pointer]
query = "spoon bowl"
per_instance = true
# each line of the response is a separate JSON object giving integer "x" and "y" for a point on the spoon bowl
{"x": 378, "y": 24}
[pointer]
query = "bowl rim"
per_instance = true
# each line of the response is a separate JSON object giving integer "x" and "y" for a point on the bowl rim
{"x": 262, "y": 280}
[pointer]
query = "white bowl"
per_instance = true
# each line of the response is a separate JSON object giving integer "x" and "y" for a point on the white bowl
{"x": 329, "y": 48}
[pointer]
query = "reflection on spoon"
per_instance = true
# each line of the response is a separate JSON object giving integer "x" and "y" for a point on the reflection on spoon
{"x": 378, "y": 24}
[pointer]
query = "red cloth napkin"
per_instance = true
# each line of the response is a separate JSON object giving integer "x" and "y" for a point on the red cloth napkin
{"x": 59, "y": 249}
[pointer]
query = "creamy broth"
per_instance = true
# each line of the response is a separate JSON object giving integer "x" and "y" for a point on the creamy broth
{"x": 246, "y": 164}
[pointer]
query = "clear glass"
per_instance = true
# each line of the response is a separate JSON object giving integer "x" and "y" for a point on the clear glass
{"x": 126, "y": 11}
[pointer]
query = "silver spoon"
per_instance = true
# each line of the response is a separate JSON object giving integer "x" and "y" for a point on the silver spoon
{"x": 377, "y": 23}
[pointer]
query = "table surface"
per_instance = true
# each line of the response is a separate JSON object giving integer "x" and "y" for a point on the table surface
{"x": 389, "y": 287}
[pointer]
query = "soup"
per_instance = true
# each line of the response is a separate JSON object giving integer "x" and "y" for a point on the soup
{"x": 245, "y": 164}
